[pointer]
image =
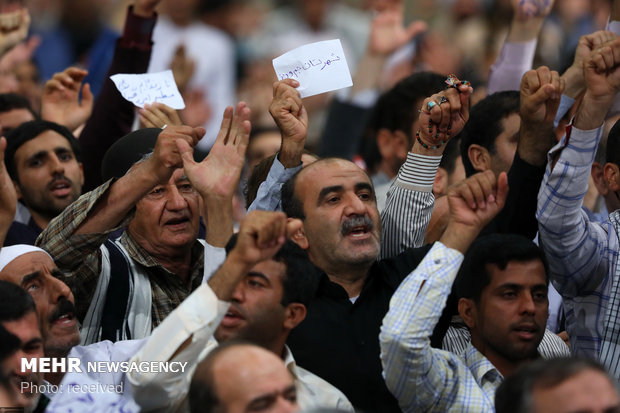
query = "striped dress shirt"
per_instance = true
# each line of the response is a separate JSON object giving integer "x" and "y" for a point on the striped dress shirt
{"x": 422, "y": 378}
{"x": 582, "y": 254}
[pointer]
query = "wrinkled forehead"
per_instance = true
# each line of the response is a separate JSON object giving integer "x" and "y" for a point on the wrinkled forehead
{"x": 26, "y": 264}
{"x": 330, "y": 172}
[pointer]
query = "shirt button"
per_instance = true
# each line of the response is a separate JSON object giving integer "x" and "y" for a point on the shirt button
{"x": 437, "y": 261}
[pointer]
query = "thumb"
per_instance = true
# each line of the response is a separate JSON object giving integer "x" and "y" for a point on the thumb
{"x": 186, "y": 151}
{"x": 502, "y": 189}
{"x": 87, "y": 95}
{"x": 292, "y": 226}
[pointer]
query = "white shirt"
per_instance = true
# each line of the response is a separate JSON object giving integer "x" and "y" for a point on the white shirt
{"x": 198, "y": 317}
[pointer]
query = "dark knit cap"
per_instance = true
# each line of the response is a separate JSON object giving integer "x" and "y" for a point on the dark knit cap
{"x": 28, "y": 131}
{"x": 127, "y": 151}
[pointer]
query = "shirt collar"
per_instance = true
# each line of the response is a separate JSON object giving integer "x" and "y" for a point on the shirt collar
{"x": 480, "y": 366}
{"x": 141, "y": 256}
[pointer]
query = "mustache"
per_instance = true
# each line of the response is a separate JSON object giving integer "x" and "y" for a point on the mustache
{"x": 356, "y": 221}
{"x": 64, "y": 307}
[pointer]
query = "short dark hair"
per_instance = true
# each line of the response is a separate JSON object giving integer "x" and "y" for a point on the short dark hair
{"x": 514, "y": 395}
{"x": 202, "y": 393}
{"x": 485, "y": 123}
{"x": 301, "y": 279}
{"x": 15, "y": 302}
{"x": 496, "y": 249}
{"x": 12, "y": 101}
{"x": 396, "y": 110}
{"x": 291, "y": 205}
{"x": 613, "y": 145}
{"x": 259, "y": 175}
{"x": 28, "y": 131}
{"x": 450, "y": 155}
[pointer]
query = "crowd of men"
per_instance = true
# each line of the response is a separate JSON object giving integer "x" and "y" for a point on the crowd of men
{"x": 461, "y": 263}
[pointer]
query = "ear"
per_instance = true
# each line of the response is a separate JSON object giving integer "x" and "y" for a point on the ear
{"x": 440, "y": 184}
{"x": 385, "y": 143}
{"x": 294, "y": 314}
{"x": 612, "y": 176}
{"x": 468, "y": 312}
{"x": 598, "y": 177}
{"x": 299, "y": 237}
{"x": 479, "y": 157}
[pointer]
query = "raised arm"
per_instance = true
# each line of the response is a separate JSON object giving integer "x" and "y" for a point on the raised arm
{"x": 216, "y": 178}
{"x": 517, "y": 54}
{"x": 60, "y": 101}
{"x": 578, "y": 250}
{"x": 420, "y": 377}
{"x": 112, "y": 115}
{"x": 187, "y": 331}
{"x": 410, "y": 199}
{"x": 291, "y": 116}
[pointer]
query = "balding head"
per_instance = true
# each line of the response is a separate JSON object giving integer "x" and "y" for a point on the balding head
{"x": 238, "y": 377}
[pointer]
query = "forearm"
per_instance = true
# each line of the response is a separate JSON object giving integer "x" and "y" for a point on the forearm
{"x": 268, "y": 196}
{"x": 218, "y": 218}
{"x": 565, "y": 231}
{"x": 414, "y": 372}
{"x": 186, "y": 333}
{"x": 515, "y": 58}
{"x": 120, "y": 199}
{"x": 409, "y": 205}
{"x": 112, "y": 115}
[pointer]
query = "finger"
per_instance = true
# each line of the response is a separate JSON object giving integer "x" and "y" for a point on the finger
{"x": 465, "y": 192}
{"x": 76, "y": 73}
{"x": 186, "y": 151}
{"x": 87, "y": 96}
{"x": 288, "y": 82}
{"x": 415, "y": 28}
{"x": 292, "y": 226}
{"x": 147, "y": 113}
{"x": 530, "y": 82}
{"x": 53, "y": 84}
{"x": 608, "y": 56}
{"x": 476, "y": 188}
{"x": 544, "y": 75}
{"x": 222, "y": 135}
{"x": 146, "y": 123}
{"x": 235, "y": 127}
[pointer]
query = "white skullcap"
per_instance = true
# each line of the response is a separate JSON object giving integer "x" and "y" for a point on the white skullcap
{"x": 8, "y": 254}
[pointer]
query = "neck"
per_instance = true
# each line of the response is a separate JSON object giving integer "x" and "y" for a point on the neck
{"x": 41, "y": 221}
{"x": 352, "y": 281}
{"x": 505, "y": 366}
{"x": 179, "y": 265}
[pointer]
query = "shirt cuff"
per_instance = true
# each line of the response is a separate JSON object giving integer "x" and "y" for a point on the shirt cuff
{"x": 138, "y": 31}
{"x": 278, "y": 170}
{"x": 614, "y": 26}
{"x": 581, "y": 144}
{"x": 418, "y": 172}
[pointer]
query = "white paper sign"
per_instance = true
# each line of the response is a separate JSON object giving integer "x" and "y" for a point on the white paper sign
{"x": 318, "y": 67}
{"x": 149, "y": 88}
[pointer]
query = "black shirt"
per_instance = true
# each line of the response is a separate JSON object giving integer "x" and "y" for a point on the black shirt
{"x": 339, "y": 341}
{"x": 22, "y": 234}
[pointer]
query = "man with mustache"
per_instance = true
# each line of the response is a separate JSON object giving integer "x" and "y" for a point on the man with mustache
{"x": 43, "y": 160}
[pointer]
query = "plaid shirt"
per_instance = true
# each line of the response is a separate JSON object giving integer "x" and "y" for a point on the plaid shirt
{"x": 79, "y": 257}
{"x": 582, "y": 254}
{"x": 422, "y": 378}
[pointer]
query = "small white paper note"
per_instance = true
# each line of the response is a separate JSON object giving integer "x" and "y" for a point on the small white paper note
{"x": 149, "y": 88}
{"x": 318, "y": 67}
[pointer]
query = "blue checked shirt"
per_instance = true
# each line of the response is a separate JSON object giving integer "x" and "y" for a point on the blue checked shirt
{"x": 422, "y": 378}
{"x": 582, "y": 254}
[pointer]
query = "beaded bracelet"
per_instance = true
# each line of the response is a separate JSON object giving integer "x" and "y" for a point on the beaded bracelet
{"x": 425, "y": 146}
